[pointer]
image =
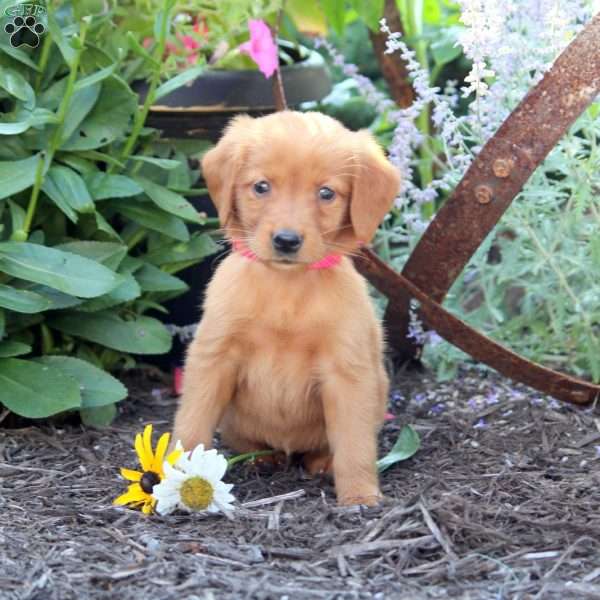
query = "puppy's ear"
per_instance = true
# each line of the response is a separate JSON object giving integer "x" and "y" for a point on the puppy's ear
{"x": 221, "y": 165}
{"x": 375, "y": 186}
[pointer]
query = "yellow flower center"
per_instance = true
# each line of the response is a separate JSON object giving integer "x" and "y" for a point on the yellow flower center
{"x": 197, "y": 493}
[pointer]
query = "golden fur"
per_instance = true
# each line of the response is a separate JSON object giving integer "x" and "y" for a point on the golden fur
{"x": 286, "y": 357}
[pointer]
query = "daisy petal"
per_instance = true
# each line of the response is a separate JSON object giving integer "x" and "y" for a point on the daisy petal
{"x": 171, "y": 473}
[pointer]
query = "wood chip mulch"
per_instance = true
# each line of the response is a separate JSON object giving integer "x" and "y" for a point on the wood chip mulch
{"x": 502, "y": 501}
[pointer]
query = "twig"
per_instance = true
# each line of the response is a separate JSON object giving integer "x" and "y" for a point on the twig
{"x": 274, "y": 499}
{"x": 278, "y": 89}
{"x": 435, "y": 530}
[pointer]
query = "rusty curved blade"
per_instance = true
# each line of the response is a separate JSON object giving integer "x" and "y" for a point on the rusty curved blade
{"x": 505, "y": 163}
{"x": 479, "y": 346}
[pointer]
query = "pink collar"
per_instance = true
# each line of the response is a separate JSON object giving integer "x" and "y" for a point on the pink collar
{"x": 331, "y": 260}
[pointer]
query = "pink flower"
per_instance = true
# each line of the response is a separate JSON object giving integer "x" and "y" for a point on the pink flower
{"x": 261, "y": 48}
{"x": 189, "y": 43}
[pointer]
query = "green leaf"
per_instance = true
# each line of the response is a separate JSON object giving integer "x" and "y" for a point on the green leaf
{"x": 39, "y": 116}
{"x": 103, "y": 186}
{"x": 197, "y": 248}
{"x": 98, "y": 156}
{"x": 109, "y": 254}
{"x": 82, "y": 102}
{"x": 98, "y": 416}
{"x": 178, "y": 81}
{"x": 56, "y": 299}
{"x": 108, "y": 120}
{"x": 17, "y": 215}
{"x": 169, "y": 201}
{"x": 152, "y": 279}
{"x": 61, "y": 40}
{"x": 446, "y": 48}
{"x": 153, "y": 218}
{"x": 21, "y": 300}
{"x": 370, "y": 11}
{"x": 97, "y": 387}
{"x": 36, "y": 391}
{"x": 84, "y": 167}
{"x": 126, "y": 292}
{"x": 9, "y": 348}
{"x": 141, "y": 336}
{"x": 96, "y": 77}
{"x": 104, "y": 225}
{"x": 80, "y": 105}
{"x": 66, "y": 188}
{"x": 60, "y": 270}
{"x": 17, "y": 86}
{"x": 181, "y": 177}
{"x": 406, "y": 445}
{"x": 308, "y": 16}
{"x": 17, "y": 175}
{"x": 138, "y": 49}
{"x": 335, "y": 13}
{"x": 163, "y": 163}
{"x": 19, "y": 55}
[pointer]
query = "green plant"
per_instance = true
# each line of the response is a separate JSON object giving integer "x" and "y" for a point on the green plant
{"x": 203, "y": 32}
{"x": 533, "y": 284}
{"x": 94, "y": 222}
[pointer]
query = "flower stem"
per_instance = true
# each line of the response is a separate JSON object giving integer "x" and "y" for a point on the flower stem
{"x": 56, "y": 140}
{"x": 140, "y": 116}
{"x": 248, "y": 456}
{"x": 44, "y": 56}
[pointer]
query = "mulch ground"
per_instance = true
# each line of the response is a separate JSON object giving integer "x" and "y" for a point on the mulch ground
{"x": 502, "y": 501}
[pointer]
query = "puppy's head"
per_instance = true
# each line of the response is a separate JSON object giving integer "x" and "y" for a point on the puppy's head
{"x": 295, "y": 187}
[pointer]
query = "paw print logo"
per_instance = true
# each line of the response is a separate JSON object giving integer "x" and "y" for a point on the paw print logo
{"x": 24, "y": 31}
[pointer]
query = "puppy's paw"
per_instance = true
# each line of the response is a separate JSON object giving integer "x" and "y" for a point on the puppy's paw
{"x": 359, "y": 493}
{"x": 316, "y": 464}
{"x": 364, "y": 500}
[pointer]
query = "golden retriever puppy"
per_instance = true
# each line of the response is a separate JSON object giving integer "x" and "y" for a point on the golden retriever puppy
{"x": 288, "y": 354}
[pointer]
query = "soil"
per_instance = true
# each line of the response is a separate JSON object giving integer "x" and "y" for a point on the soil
{"x": 500, "y": 502}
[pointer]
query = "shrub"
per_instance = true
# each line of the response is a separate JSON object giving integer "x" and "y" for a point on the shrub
{"x": 533, "y": 284}
{"x": 94, "y": 222}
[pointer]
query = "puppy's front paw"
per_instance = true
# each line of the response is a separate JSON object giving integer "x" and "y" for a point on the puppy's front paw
{"x": 365, "y": 500}
{"x": 372, "y": 500}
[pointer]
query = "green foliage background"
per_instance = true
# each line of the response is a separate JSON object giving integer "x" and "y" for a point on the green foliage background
{"x": 94, "y": 222}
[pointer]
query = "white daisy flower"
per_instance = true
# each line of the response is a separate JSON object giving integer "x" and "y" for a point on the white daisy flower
{"x": 194, "y": 484}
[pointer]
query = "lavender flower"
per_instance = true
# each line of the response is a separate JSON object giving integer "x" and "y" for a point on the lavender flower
{"x": 438, "y": 408}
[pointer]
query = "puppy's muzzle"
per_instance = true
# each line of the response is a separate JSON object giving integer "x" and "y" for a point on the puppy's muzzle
{"x": 286, "y": 242}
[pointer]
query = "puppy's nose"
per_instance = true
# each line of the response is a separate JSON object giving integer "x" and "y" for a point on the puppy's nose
{"x": 286, "y": 241}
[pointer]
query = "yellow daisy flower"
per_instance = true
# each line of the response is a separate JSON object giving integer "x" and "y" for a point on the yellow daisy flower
{"x": 139, "y": 493}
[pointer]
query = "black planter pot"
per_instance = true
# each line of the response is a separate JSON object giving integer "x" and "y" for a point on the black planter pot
{"x": 202, "y": 110}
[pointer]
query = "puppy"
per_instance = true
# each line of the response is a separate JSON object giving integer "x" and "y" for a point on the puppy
{"x": 288, "y": 354}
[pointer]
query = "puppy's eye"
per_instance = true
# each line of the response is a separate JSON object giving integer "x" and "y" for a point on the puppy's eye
{"x": 326, "y": 194}
{"x": 262, "y": 187}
